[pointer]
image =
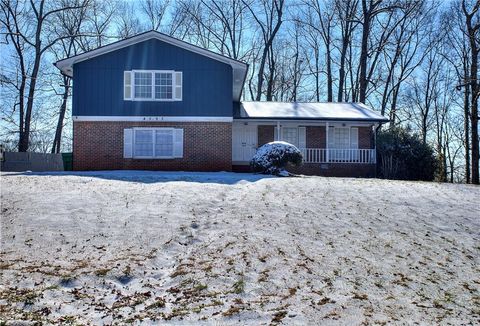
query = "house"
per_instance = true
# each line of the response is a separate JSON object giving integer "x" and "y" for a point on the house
{"x": 154, "y": 102}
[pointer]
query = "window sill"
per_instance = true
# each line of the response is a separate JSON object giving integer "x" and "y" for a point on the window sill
{"x": 152, "y": 100}
{"x": 154, "y": 158}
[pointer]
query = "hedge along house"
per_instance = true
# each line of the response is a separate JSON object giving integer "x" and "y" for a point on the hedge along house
{"x": 154, "y": 102}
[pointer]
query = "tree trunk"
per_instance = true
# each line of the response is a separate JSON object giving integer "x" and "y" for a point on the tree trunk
{"x": 341, "y": 71}
{"x": 466, "y": 123}
{"x": 63, "y": 108}
{"x": 363, "y": 83}
{"x": 329, "y": 75}
{"x": 474, "y": 51}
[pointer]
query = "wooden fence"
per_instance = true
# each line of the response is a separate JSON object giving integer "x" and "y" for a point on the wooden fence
{"x": 16, "y": 161}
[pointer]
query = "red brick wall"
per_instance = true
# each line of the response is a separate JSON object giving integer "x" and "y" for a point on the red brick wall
{"x": 365, "y": 137}
{"x": 316, "y": 137}
{"x": 99, "y": 146}
{"x": 266, "y": 134}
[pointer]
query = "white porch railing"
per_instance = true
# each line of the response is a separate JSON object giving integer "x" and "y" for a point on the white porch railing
{"x": 336, "y": 155}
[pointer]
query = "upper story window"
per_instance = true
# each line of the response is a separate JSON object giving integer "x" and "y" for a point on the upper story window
{"x": 152, "y": 85}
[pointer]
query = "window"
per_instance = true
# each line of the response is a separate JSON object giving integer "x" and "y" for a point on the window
{"x": 290, "y": 135}
{"x": 153, "y": 143}
{"x": 341, "y": 138}
{"x": 143, "y": 85}
{"x": 163, "y": 143}
{"x": 293, "y": 135}
{"x": 143, "y": 143}
{"x": 152, "y": 85}
{"x": 163, "y": 86}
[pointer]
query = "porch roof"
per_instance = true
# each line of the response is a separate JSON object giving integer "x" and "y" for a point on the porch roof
{"x": 307, "y": 111}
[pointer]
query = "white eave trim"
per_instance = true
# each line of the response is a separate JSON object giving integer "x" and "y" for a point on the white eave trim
{"x": 66, "y": 64}
{"x": 151, "y": 118}
{"x": 306, "y": 122}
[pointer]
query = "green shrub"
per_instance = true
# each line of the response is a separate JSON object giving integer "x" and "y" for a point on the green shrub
{"x": 272, "y": 158}
{"x": 402, "y": 155}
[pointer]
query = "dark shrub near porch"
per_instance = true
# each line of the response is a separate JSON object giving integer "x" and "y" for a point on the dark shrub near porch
{"x": 272, "y": 158}
{"x": 402, "y": 155}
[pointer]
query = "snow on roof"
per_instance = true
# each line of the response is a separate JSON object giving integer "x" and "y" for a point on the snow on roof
{"x": 302, "y": 111}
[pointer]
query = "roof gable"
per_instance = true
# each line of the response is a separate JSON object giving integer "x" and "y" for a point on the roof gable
{"x": 239, "y": 68}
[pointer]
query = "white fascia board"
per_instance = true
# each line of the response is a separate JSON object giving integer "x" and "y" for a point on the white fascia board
{"x": 68, "y": 62}
{"x": 151, "y": 119}
{"x": 306, "y": 122}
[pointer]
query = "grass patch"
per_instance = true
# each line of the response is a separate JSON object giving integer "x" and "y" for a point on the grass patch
{"x": 231, "y": 311}
{"x": 102, "y": 272}
{"x": 278, "y": 316}
{"x": 239, "y": 286}
{"x": 158, "y": 303}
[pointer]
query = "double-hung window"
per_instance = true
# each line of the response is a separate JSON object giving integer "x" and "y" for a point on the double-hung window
{"x": 290, "y": 135}
{"x": 163, "y": 86}
{"x": 343, "y": 143}
{"x": 143, "y": 85}
{"x": 152, "y": 85}
{"x": 153, "y": 143}
{"x": 293, "y": 135}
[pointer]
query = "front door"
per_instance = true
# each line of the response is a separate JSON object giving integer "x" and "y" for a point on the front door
{"x": 244, "y": 142}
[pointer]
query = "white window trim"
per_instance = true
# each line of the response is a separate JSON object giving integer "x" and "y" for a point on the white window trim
{"x": 153, "y": 144}
{"x": 349, "y": 137}
{"x": 152, "y": 74}
{"x": 283, "y": 138}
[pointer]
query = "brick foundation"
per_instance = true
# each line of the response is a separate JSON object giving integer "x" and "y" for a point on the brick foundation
{"x": 355, "y": 170}
{"x": 326, "y": 170}
{"x": 99, "y": 146}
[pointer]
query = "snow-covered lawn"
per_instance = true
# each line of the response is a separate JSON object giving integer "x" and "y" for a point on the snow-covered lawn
{"x": 192, "y": 248}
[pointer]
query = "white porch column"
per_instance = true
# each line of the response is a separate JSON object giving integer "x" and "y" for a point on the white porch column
{"x": 375, "y": 143}
{"x": 278, "y": 131}
{"x": 326, "y": 142}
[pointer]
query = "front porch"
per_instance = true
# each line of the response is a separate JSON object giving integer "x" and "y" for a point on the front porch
{"x": 336, "y": 155}
{"x": 334, "y": 149}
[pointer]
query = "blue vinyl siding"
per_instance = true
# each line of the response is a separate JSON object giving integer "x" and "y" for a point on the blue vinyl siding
{"x": 98, "y": 83}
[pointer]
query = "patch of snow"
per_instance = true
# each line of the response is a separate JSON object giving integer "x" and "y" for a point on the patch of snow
{"x": 299, "y": 110}
{"x": 200, "y": 248}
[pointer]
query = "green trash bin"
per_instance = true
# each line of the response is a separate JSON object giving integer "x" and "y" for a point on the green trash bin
{"x": 67, "y": 161}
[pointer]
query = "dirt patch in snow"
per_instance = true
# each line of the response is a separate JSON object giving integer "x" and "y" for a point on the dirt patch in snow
{"x": 192, "y": 248}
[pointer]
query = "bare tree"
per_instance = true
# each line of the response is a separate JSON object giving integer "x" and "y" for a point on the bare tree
{"x": 155, "y": 11}
{"x": 370, "y": 10}
{"x": 269, "y": 22}
{"x": 69, "y": 23}
{"x": 31, "y": 35}
{"x": 472, "y": 22}
{"x": 345, "y": 11}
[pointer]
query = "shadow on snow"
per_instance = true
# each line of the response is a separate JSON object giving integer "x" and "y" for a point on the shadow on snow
{"x": 227, "y": 178}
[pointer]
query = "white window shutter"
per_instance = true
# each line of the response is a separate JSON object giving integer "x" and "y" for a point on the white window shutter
{"x": 127, "y": 85}
{"x": 127, "y": 143}
{"x": 177, "y": 142}
{"x": 354, "y": 138}
{"x": 331, "y": 137}
{"x": 178, "y": 86}
{"x": 302, "y": 137}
